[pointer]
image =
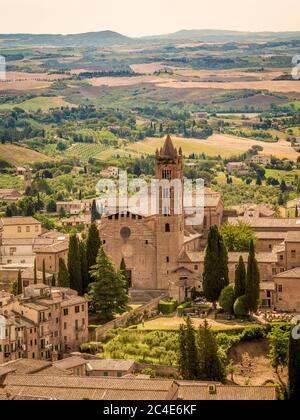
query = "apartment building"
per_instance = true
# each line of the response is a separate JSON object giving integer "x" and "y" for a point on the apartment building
{"x": 41, "y": 321}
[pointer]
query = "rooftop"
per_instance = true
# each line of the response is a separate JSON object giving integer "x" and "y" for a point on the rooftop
{"x": 18, "y": 220}
{"x": 293, "y": 273}
{"x": 70, "y": 363}
{"x": 110, "y": 364}
{"x": 60, "y": 246}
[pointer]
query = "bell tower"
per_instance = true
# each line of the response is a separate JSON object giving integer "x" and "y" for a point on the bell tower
{"x": 170, "y": 213}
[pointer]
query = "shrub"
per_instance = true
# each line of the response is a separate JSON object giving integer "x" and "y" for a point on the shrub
{"x": 253, "y": 333}
{"x": 240, "y": 307}
{"x": 182, "y": 307}
{"x": 227, "y": 299}
{"x": 167, "y": 308}
{"x": 91, "y": 348}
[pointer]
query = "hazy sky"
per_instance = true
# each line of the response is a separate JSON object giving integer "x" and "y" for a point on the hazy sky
{"x": 146, "y": 17}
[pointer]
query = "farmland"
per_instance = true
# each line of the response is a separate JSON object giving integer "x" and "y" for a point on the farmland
{"x": 42, "y": 103}
{"x": 17, "y": 155}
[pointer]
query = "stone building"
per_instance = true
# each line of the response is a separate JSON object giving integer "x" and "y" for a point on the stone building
{"x": 51, "y": 255}
{"x": 41, "y": 321}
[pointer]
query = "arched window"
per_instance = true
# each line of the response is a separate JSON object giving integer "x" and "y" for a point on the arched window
{"x": 167, "y": 227}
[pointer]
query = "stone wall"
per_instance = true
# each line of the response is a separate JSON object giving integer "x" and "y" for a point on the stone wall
{"x": 121, "y": 322}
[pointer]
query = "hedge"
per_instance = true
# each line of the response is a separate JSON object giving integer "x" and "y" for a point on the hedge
{"x": 182, "y": 307}
{"x": 167, "y": 308}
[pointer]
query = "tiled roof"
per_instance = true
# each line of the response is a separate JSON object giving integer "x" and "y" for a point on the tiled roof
{"x": 226, "y": 392}
{"x": 56, "y": 247}
{"x": 70, "y": 362}
{"x": 292, "y": 237}
{"x": 26, "y": 366}
{"x": 18, "y": 220}
{"x": 261, "y": 257}
{"x": 265, "y": 222}
{"x": 293, "y": 273}
{"x": 110, "y": 364}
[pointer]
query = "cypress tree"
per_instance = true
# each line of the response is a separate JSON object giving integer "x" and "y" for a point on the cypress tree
{"x": 63, "y": 278}
{"x": 53, "y": 281}
{"x": 211, "y": 367}
{"x": 35, "y": 279}
{"x": 215, "y": 276}
{"x": 253, "y": 280}
{"x": 84, "y": 266}
{"x": 294, "y": 369}
{"x": 107, "y": 293}
{"x": 93, "y": 244}
{"x": 296, "y": 212}
{"x": 44, "y": 273}
{"x": 240, "y": 279}
{"x": 123, "y": 272}
{"x": 19, "y": 281}
{"x": 74, "y": 267}
{"x": 188, "y": 353}
{"x": 94, "y": 212}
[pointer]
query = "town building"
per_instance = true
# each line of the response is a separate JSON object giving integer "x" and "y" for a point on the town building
{"x": 261, "y": 159}
{"x": 41, "y": 321}
{"x": 9, "y": 195}
{"x": 236, "y": 168}
{"x": 50, "y": 255}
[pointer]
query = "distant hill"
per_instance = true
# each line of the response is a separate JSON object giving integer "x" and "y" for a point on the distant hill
{"x": 89, "y": 39}
{"x": 210, "y": 35}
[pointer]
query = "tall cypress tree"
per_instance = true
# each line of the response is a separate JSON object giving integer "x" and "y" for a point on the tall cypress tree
{"x": 123, "y": 272}
{"x": 74, "y": 265}
{"x": 84, "y": 266}
{"x": 253, "y": 281}
{"x": 53, "y": 281}
{"x": 188, "y": 354}
{"x": 19, "y": 281}
{"x": 94, "y": 212}
{"x": 215, "y": 276}
{"x": 93, "y": 244}
{"x": 44, "y": 273}
{"x": 63, "y": 278}
{"x": 240, "y": 279}
{"x": 35, "y": 279}
{"x": 211, "y": 367}
{"x": 294, "y": 369}
{"x": 107, "y": 293}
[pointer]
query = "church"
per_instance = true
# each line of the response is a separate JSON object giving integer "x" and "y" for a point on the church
{"x": 157, "y": 247}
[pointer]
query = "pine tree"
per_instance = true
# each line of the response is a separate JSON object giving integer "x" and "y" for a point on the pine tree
{"x": 123, "y": 272}
{"x": 84, "y": 266}
{"x": 188, "y": 354}
{"x": 74, "y": 267}
{"x": 240, "y": 279}
{"x": 294, "y": 369}
{"x": 253, "y": 280}
{"x": 93, "y": 244}
{"x": 35, "y": 279}
{"x": 53, "y": 281}
{"x": 44, "y": 273}
{"x": 63, "y": 278}
{"x": 215, "y": 276}
{"x": 211, "y": 367}
{"x": 107, "y": 293}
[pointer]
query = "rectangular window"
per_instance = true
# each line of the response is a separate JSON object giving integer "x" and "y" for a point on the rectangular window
{"x": 66, "y": 312}
{"x": 77, "y": 309}
{"x": 19, "y": 229}
{"x": 105, "y": 373}
{"x": 293, "y": 253}
{"x": 166, "y": 174}
{"x": 27, "y": 229}
{"x": 280, "y": 288}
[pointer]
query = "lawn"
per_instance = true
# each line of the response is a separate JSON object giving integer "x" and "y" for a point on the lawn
{"x": 43, "y": 103}
{"x": 173, "y": 324}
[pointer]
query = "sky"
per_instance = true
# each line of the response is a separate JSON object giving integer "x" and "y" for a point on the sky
{"x": 147, "y": 17}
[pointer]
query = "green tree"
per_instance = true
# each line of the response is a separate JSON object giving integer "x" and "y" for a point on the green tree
{"x": 215, "y": 276}
{"x": 240, "y": 307}
{"x": 188, "y": 360}
{"x": 123, "y": 271}
{"x": 35, "y": 278}
{"x": 74, "y": 267}
{"x": 253, "y": 281}
{"x": 93, "y": 245}
{"x": 94, "y": 212}
{"x": 53, "y": 281}
{"x": 227, "y": 299}
{"x": 17, "y": 286}
{"x": 294, "y": 369}
{"x": 240, "y": 279}
{"x": 44, "y": 273}
{"x": 237, "y": 237}
{"x": 279, "y": 344}
{"x": 63, "y": 278}
{"x": 211, "y": 367}
{"x": 107, "y": 294}
{"x": 84, "y": 266}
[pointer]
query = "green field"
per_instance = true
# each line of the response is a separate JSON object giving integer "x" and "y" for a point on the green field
{"x": 43, "y": 103}
{"x": 11, "y": 181}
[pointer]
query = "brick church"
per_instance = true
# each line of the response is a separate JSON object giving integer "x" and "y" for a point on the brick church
{"x": 156, "y": 247}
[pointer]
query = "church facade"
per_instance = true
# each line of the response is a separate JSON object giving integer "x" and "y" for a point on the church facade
{"x": 154, "y": 245}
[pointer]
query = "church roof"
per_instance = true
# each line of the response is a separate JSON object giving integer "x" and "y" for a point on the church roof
{"x": 168, "y": 149}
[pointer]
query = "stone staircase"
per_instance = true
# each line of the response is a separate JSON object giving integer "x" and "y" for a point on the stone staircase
{"x": 141, "y": 296}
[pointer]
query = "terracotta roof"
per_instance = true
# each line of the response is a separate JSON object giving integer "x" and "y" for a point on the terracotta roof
{"x": 293, "y": 273}
{"x": 70, "y": 362}
{"x": 25, "y": 366}
{"x": 18, "y": 220}
{"x": 54, "y": 248}
{"x": 261, "y": 257}
{"x": 226, "y": 392}
{"x": 110, "y": 364}
{"x": 266, "y": 222}
{"x": 168, "y": 149}
{"x": 78, "y": 388}
{"x": 292, "y": 237}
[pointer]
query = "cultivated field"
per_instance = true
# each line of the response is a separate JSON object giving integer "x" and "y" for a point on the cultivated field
{"x": 217, "y": 144}
{"x": 23, "y": 85}
{"x": 127, "y": 81}
{"x": 17, "y": 155}
{"x": 43, "y": 103}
